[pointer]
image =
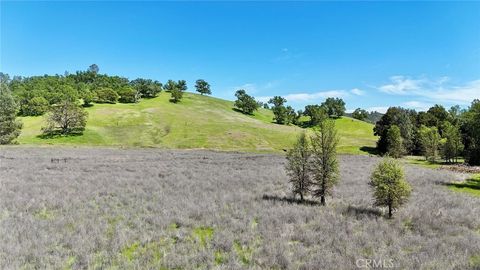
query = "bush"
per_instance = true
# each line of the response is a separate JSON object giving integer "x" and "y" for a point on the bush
{"x": 128, "y": 95}
{"x": 395, "y": 147}
{"x": 106, "y": 95}
{"x": 35, "y": 106}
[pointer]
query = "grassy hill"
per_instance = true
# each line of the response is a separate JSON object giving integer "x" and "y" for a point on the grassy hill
{"x": 196, "y": 122}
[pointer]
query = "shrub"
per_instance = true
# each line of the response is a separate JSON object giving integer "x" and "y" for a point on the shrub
{"x": 106, "y": 95}
{"x": 35, "y": 106}
{"x": 128, "y": 95}
{"x": 395, "y": 147}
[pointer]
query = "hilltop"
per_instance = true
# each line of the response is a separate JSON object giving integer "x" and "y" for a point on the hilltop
{"x": 195, "y": 122}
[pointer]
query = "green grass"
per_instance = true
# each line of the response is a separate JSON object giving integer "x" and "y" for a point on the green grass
{"x": 470, "y": 186}
{"x": 194, "y": 123}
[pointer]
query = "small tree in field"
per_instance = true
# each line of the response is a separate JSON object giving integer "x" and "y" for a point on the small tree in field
{"x": 203, "y": 87}
{"x": 389, "y": 186}
{"x": 9, "y": 126}
{"x": 298, "y": 166}
{"x": 247, "y": 104}
{"x": 324, "y": 159}
{"x": 395, "y": 147}
{"x": 65, "y": 118}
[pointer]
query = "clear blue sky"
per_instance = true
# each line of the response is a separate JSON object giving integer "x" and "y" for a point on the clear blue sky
{"x": 372, "y": 54}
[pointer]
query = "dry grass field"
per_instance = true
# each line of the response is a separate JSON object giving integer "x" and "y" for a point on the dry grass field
{"x": 94, "y": 208}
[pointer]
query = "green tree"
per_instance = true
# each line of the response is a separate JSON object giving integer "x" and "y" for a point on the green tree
{"x": 324, "y": 159}
{"x": 389, "y": 186}
{"x": 106, "y": 95}
{"x": 430, "y": 141}
{"x": 93, "y": 68}
{"x": 471, "y": 133}
{"x": 360, "y": 114}
{"x": 298, "y": 166}
{"x": 35, "y": 106}
{"x": 65, "y": 118}
{"x": 279, "y": 110}
{"x": 128, "y": 94}
{"x": 403, "y": 119}
{"x": 245, "y": 103}
{"x": 452, "y": 144}
{"x": 395, "y": 147}
{"x": 335, "y": 107}
{"x": 316, "y": 113}
{"x": 203, "y": 87}
{"x": 146, "y": 88}
{"x": 9, "y": 126}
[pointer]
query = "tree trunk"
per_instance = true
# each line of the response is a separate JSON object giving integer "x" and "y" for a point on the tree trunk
{"x": 322, "y": 200}
{"x": 301, "y": 196}
{"x": 389, "y": 211}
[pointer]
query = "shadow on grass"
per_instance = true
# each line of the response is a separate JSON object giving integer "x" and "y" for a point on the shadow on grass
{"x": 370, "y": 150}
{"x": 54, "y": 135}
{"x": 290, "y": 200}
{"x": 358, "y": 211}
{"x": 240, "y": 111}
{"x": 469, "y": 183}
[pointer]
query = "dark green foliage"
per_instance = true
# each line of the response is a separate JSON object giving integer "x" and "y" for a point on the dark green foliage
{"x": 316, "y": 113}
{"x": 279, "y": 110}
{"x": 9, "y": 126}
{"x": 106, "y": 95}
{"x": 389, "y": 186}
{"x": 35, "y": 106}
{"x": 324, "y": 164}
{"x": 334, "y": 107}
{"x": 360, "y": 114}
{"x": 203, "y": 87}
{"x": 128, "y": 94}
{"x": 395, "y": 147}
{"x": 298, "y": 166}
{"x": 176, "y": 94}
{"x": 146, "y": 88}
{"x": 471, "y": 133}
{"x": 176, "y": 89}
{"x": 401, "y": 118}
{"x": 245, "y": 103}
{"x": 93, "y": 68}
{"x": 65, "y": 118}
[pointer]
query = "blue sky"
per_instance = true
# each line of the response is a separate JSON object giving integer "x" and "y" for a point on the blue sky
{"x": 372, "y": 54}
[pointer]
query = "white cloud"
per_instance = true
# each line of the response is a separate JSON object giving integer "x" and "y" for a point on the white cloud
{"x": 377, "y": 109}
{"x": 357, "y": 92}
{"x": 417, "y": 105}
{"x": 303, "y": 97}
{"x": 401, "y": 85}
{"x": 248, "y": 87}
{"x": 439, "y": 90}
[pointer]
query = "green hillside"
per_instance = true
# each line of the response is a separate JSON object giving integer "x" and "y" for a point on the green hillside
{"x": 196, "y": 122}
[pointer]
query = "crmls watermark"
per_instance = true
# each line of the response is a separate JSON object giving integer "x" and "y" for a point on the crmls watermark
{"x": 374, "y": 263}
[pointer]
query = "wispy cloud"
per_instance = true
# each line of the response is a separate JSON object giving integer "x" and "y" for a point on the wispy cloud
{"x": 310, "y": 97}
{"x": 357, "y": 92}
{"x": 438, "y": 90}
{"x": 417, "y": 105}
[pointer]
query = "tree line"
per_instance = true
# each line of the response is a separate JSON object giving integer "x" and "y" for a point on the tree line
{"x": 284, "y": 114}
{"x": 312, "y": 167}
{"x": 62, "y": 98}
{"x": 435, "y": 133}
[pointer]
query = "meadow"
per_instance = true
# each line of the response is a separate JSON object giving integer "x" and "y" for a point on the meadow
{"x": 102, "y": 208}
{"x": 197, "y": 122}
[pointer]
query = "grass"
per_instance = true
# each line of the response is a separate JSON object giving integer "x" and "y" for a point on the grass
{"x": 110, "y": 208}
{"x": 470, "y": 186}
{"x": 197, "y": 122}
